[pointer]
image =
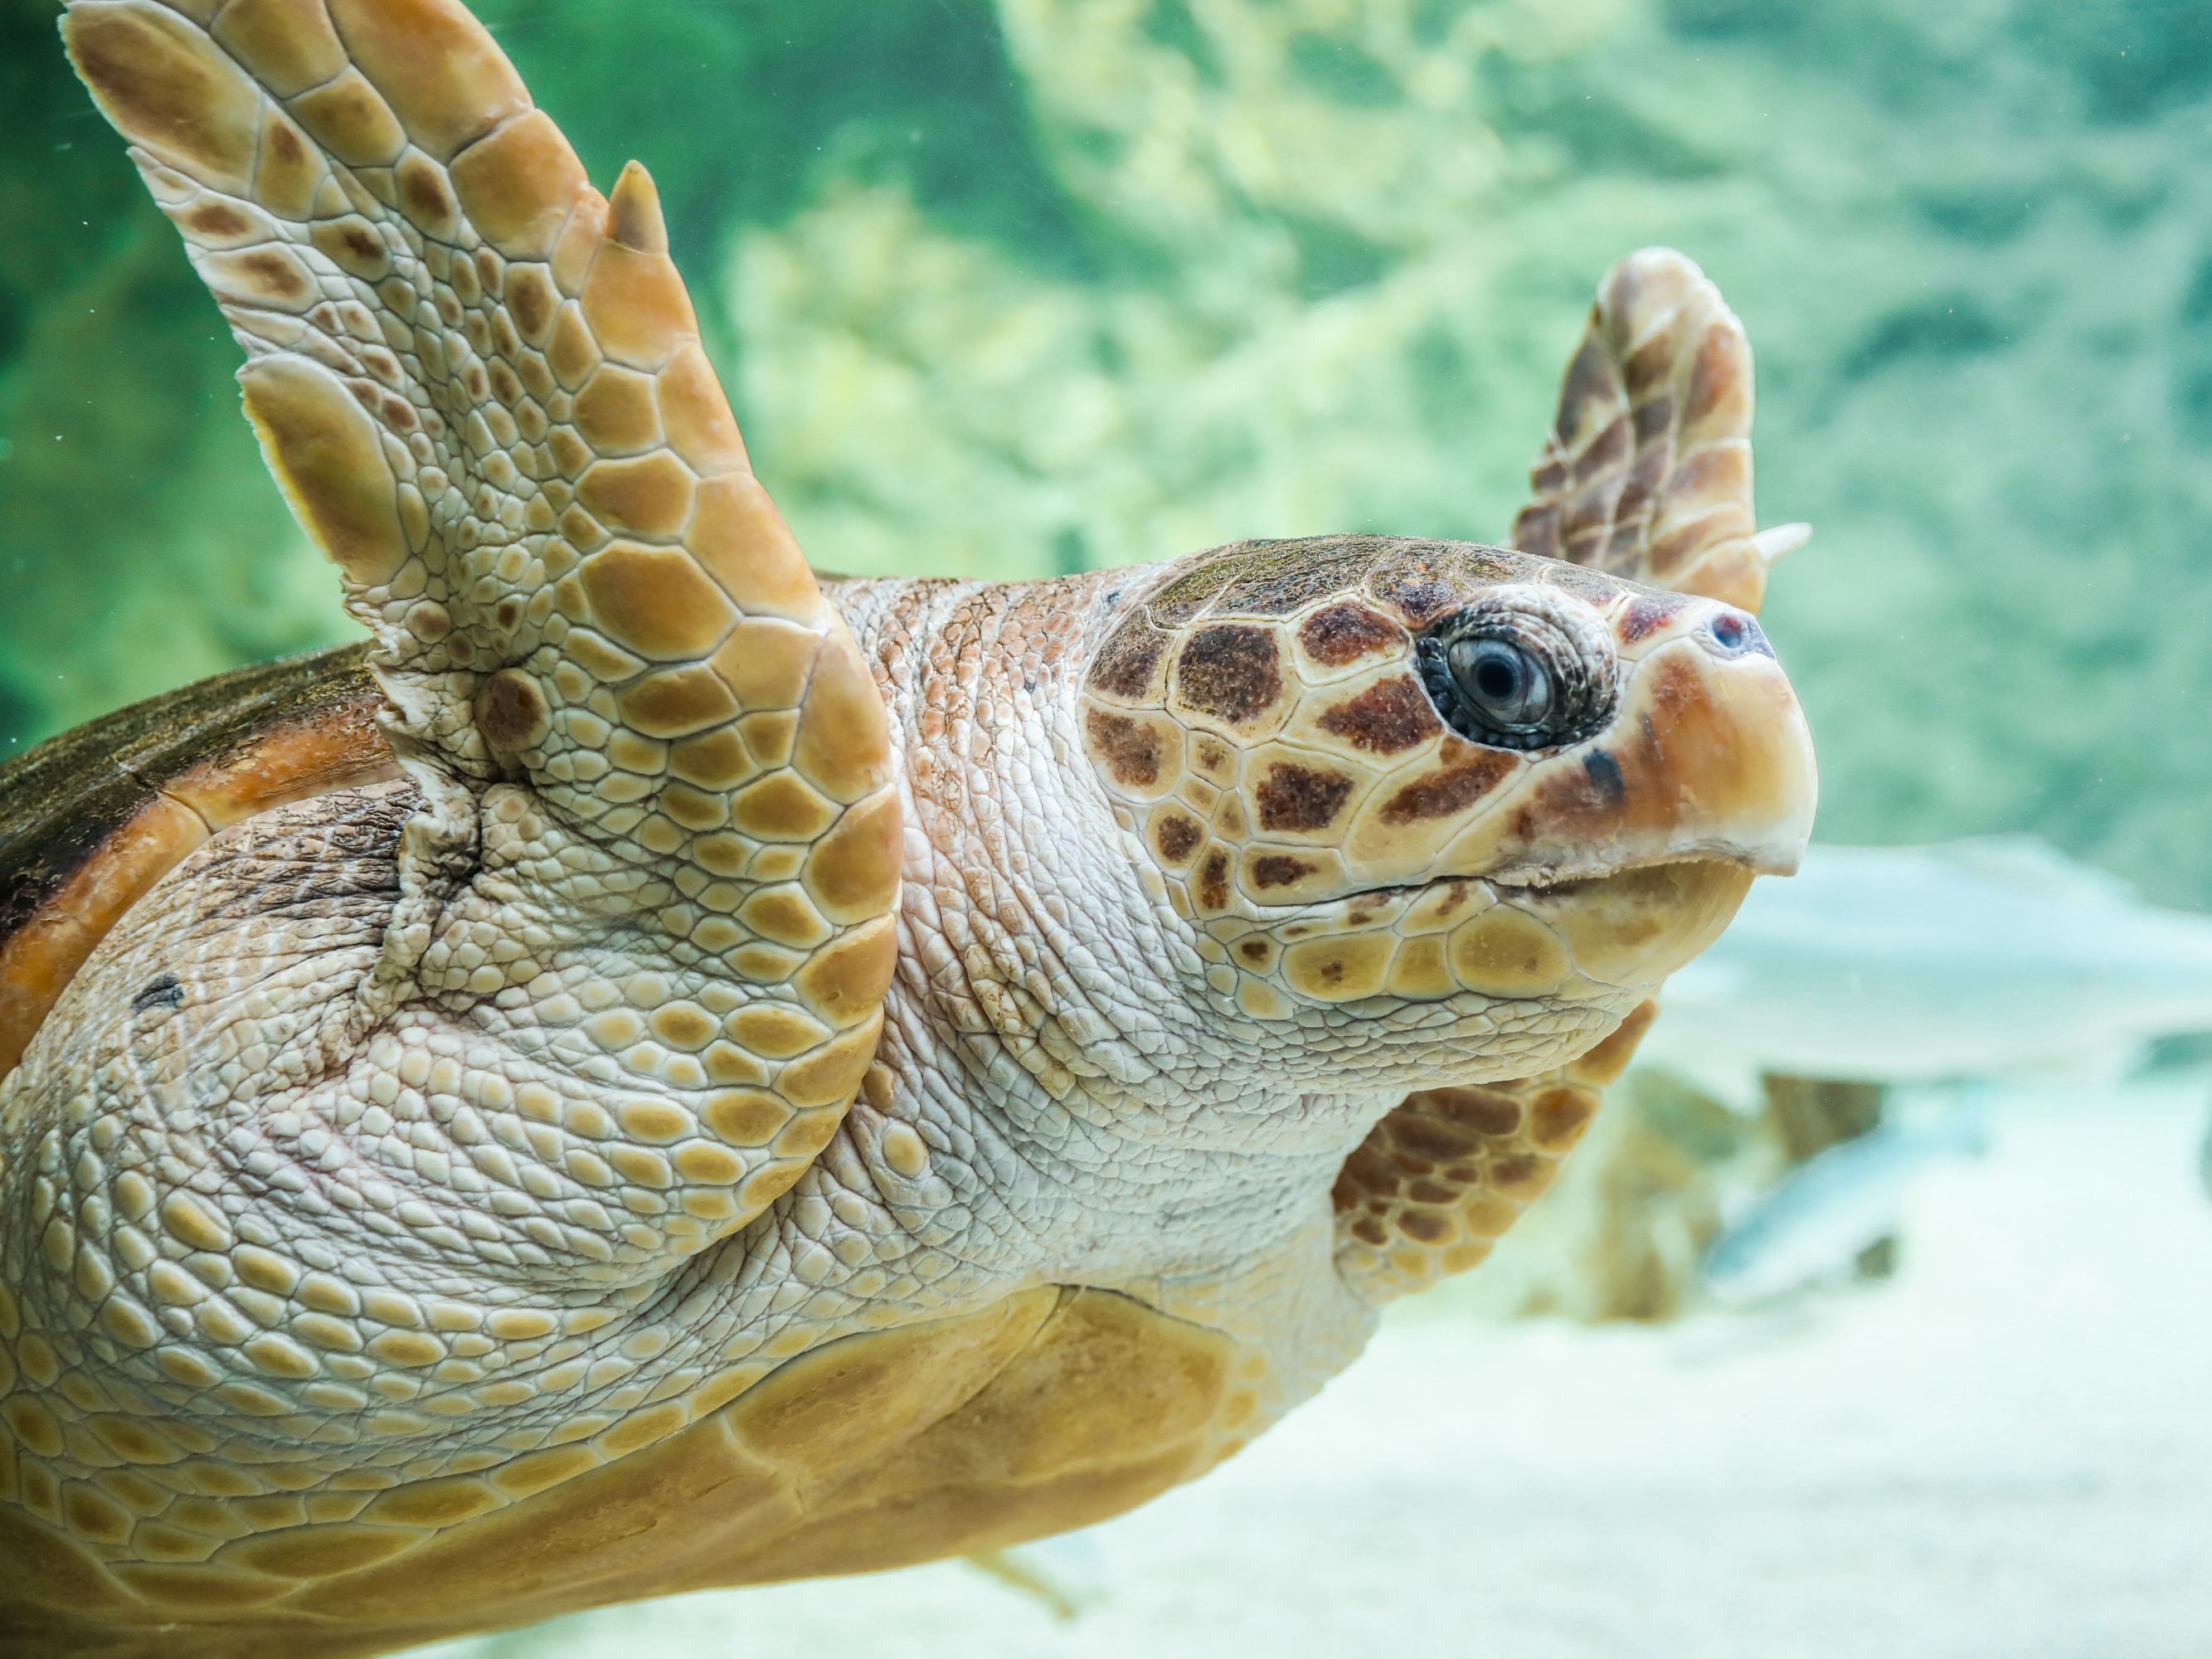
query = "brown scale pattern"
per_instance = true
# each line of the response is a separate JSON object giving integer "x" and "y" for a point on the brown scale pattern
{"x": 480, "y": 386}
{"x": 1440, "y": 1179}
{"x": 1647, "y": 471}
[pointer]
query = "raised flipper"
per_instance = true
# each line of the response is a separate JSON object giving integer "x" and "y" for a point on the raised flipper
{"x": 1646, "y": 472}
{"x": 658, "y": 840}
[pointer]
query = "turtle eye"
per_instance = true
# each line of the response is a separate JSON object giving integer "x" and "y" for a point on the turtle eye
{"x": 1505, "y": 685}
{"x": 1518, "y": 670}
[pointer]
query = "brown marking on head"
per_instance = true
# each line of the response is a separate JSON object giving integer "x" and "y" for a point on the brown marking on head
{"x": 1453, "y": 789}
{"x": 1255, "y": 950}
{"x": 1213, "y": 880}
{"x": 1386, "y": 719}
{"x": 1417, "y": 598}
{"x": 1176, "y": 837}
{"x": 1278, "y": 870}
{"x": 1299, "y": 798}
{"x": 1644, "y": 618}
{"x": 1125, "y": 664}
{"x": 1229, "y": 672}
{"x": 1340, "y": 633}
{"x": 1130, "y": 748}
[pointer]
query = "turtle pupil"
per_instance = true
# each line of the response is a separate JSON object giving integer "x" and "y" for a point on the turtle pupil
{"x": 1495, "y": 679}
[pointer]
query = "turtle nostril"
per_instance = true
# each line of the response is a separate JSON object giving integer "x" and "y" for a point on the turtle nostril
{"x": 1733, "y": 634}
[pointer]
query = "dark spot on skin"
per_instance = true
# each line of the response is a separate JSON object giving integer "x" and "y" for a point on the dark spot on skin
{"x": 362, "y": 243}
{"x": 398, "y": 413}
{"x": 511, "y": 712}
{"x": 1339, "y": 633}
{"x": 1369, "y": 1231}
{"x": 1253, "y": 951}
{"x": 1211, "y": 756}
{"x": 1177, "y": 837}
{"x": 1298, "y": 798}
{"x": 1605, "y": 777}
{"x": 425, "y": 196}
{"x": 161, "y": 992}
{"x": 1130, "y": 748}
{"x": 1644, "y": 618}
{"x": 532, "y": 306}
{"x": 273, "y": 275}
{"x": 1277, "y": 870}
{"x": 217, "y": 220}
{"x": 1229, "y": 672}
{"x": 1385, "y": 719}
{"x": 1452, "y": 790}
{"x": 1214, "y": 881}
{"x": 1419, "y": 599}
{"x": 1422, "y": 1227}
{"x": 286, "y": 146}
{"x": 1454, "y": 896}
{"x": 1124, "y": 665}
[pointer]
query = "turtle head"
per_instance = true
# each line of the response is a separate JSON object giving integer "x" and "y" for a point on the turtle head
{"x": 1372, "y": 773}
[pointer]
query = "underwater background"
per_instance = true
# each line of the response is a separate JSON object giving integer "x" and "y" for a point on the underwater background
{"x": 1004, "y": 288}
{"x": 1878, "y": 1303}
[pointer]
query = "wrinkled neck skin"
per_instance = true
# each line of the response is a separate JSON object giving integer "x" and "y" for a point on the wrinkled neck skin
{"x": 1053, "y": 1009}
{"x": 1050, "y": 1008}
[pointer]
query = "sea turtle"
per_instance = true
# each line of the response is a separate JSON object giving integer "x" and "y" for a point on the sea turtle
{"x": 656, "y": 1072}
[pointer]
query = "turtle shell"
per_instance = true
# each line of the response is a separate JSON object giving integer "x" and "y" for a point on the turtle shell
{"x": 93, "y": 818}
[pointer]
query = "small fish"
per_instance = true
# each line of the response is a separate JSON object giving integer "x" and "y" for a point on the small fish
{"x": 1824, "y": 1215}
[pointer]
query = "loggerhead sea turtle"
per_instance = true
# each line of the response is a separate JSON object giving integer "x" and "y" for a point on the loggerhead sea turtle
{"x": 653, "y": 1072}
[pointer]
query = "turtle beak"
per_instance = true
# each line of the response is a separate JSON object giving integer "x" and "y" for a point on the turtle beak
{"x": 1707, "y": 758}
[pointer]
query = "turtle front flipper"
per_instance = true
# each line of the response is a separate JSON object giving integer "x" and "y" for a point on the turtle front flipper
{"x": 1646, "y": 472}
{"x": 1436, "y": 1183}
{"x": 659, "y": 846}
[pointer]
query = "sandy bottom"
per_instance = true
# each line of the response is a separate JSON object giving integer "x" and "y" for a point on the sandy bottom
{"x": 2006, "y": 1450}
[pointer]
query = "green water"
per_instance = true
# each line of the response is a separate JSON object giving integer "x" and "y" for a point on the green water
{"x": 1005, "y": 289}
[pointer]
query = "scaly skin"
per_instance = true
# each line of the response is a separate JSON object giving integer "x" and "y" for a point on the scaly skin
{"x": 456, "y": 1186}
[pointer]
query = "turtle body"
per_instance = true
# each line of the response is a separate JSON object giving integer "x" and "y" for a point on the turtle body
{"x": 657, "y": 1071}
